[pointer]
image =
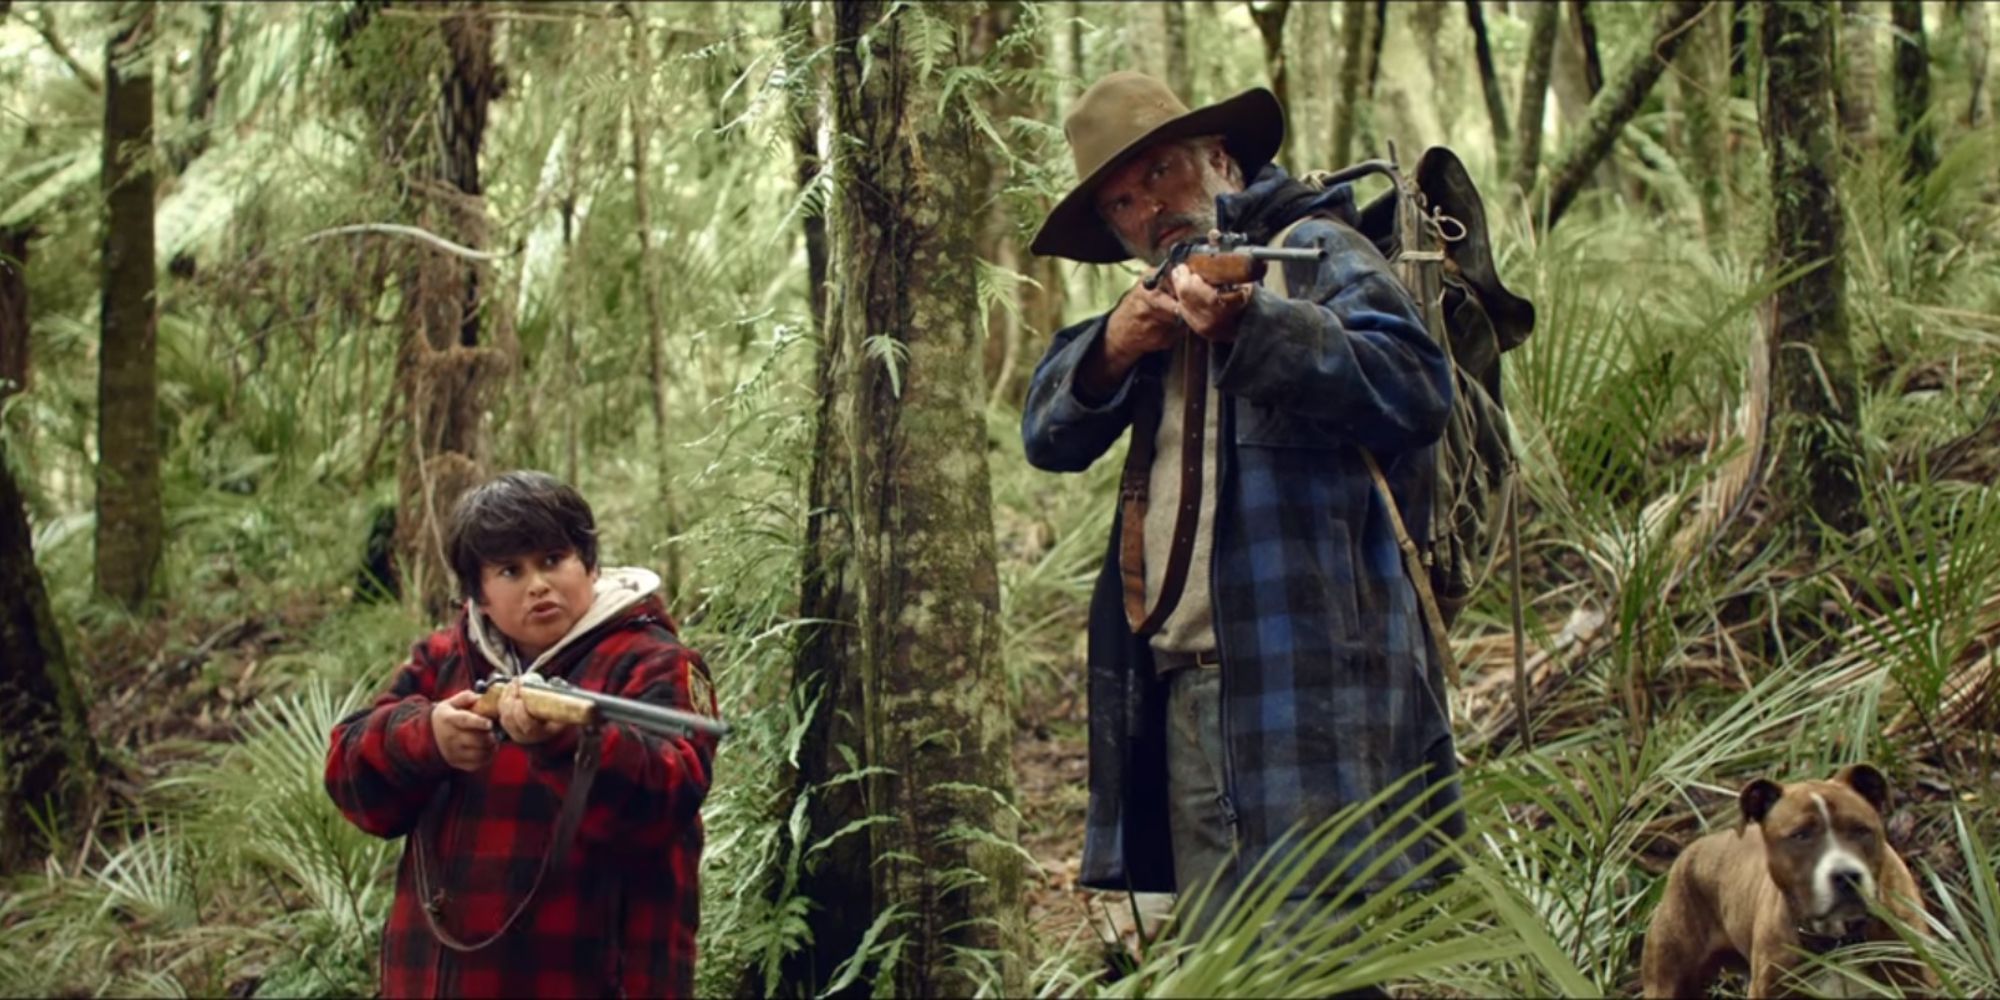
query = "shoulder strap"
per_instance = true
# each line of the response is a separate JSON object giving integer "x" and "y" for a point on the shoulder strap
{"x": 432, "y": 901}
{"x": 1413, "y": 562}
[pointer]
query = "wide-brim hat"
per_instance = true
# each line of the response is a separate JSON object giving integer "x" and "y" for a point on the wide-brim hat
{"x": 1126, "y": 113}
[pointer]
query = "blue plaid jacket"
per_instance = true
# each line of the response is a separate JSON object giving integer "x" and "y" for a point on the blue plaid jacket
{"x": 1329, "y": 694}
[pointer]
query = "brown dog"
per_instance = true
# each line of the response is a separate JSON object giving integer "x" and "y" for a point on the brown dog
{"x": 1794, "y": 876}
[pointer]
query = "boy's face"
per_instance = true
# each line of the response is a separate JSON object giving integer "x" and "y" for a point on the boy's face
{"x": 536, "y": 597}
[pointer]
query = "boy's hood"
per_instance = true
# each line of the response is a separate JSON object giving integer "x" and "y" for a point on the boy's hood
{"x": 618, "y": 589}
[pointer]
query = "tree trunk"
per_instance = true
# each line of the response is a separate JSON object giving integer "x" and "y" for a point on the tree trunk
{"x": 1180, "y": 73}
{"x": 1353, "y": 68}
{"x": 1586, "y": 36}
{"x": 14, "y": 367}
{"x": 1005, "y": 377}
{"x": 1814, "y": 369}
{"x": 1913, "y": 89}
{"x": 1426, "y": 21}
{"x": 1378, "y": 32}
{"x": 1705, "y": 128}
{"x": 1076, "y": 60}
{"x": 44, "y": 734}
{"x": 803, "y": 97}
{"x": 936, "y": 715}
{"x": 827, "y": 668}
{"x": 447, "y": 361}
{"x": 641, "y": 106}
{"x": 201, "y": 106}
{"x": 1270, "y": 18}
{"x": 1742, "y": 39}
{"x": 129, "y": 525}
{"x": 45, "y": 740}
{"x": 1615, "y": 106}
{"x": 1978, "y": 57}
{"x": 1534, "y": 92}
{"x": 1489, "y": 83}
{"x": 1855, "y": 40}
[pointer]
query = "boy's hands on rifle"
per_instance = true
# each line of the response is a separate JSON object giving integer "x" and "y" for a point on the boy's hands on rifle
{"x": 1210, "y": 311}
{"x": 464, "y": 737}
{"x": 522, "y": 726}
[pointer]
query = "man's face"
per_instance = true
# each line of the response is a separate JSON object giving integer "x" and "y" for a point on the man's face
{"x": 1165, "y": 195}
{"x": 536, "y": 597}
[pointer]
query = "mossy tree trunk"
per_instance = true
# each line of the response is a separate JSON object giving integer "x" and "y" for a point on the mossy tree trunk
{"x": 936, "y": 720}
{"x": 130, "y": 527}
{"x": 1817, "y": 388}
{"x": 827, "y": 671}
{"x": 1855, "y": 41}
{"x": 423, "y": 87}
{"x": 46, "y": 752}
{"x": 1913, "y": 89}
{"x": 1703, "y": 79}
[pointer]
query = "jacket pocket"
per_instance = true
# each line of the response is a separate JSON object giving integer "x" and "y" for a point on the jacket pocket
{"x": 1260, "y": 426}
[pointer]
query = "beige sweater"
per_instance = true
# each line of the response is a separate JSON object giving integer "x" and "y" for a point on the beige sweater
{"x": 1191, "y": 626}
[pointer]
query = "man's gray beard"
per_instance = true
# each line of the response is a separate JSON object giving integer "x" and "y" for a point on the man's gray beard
{"x": 1203, "y": 222}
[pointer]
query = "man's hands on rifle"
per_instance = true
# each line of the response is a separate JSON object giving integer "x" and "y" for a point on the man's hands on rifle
{"x": 1210, "y": 311}
{"x": 464, "y": 737}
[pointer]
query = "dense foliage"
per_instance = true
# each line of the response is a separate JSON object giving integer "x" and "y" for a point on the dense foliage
{"x": 1684, "y": 635}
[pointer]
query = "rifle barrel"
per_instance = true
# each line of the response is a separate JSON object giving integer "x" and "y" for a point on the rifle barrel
{"x": 645, "y": 715}
{"x": 1288, "y": 253}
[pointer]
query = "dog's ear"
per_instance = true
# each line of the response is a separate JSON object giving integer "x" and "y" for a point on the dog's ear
{"x": 1868, "y": 783}
{"x": 1757, "y": 798}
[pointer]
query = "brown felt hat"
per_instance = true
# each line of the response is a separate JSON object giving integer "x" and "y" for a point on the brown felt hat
{"x": 1122, "y": 115}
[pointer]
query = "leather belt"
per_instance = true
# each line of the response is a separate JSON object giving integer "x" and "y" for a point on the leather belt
{"x": 1165, "y": 660}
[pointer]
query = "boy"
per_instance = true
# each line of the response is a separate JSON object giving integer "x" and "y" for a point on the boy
{"x": 613, "y": 908}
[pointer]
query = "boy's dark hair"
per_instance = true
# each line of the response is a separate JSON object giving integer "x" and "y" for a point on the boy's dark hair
{"x": 512, "y": 514}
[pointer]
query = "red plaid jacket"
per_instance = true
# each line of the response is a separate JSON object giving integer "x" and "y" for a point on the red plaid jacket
{"x": 619, "y": 916}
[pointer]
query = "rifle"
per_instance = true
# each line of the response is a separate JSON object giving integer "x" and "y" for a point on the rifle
{"x": 558, "y": 700}
{"x": 1227, "y": 259}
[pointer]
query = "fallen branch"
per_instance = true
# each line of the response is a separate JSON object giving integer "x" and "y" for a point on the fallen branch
{"x": 411, "y": 232}
{"x": 1615, "y": 106}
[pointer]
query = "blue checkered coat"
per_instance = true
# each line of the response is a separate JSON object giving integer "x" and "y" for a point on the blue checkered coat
{"x": 1329, "y": 694}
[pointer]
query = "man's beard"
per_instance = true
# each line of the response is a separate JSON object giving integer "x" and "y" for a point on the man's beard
{"x": 1198, "y": 221}
{"x": 1194, "y": 225}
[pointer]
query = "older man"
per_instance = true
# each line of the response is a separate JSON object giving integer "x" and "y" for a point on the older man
{"x": 1257, "y": 658}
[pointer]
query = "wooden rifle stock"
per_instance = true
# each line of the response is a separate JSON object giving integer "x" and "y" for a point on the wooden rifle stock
{"x": 1224, "y": 259}
{"x": 556, "y": 700}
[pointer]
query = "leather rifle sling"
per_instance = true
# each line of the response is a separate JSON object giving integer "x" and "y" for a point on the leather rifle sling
{"x": 1135, "y": 485}
{"x": 431, "y": 901}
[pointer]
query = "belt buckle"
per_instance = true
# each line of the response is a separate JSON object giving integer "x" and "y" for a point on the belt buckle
{"x": 1207, "y": 659}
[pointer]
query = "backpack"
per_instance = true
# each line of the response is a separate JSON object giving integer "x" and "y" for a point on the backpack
{"x": 1432, "y": 228}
